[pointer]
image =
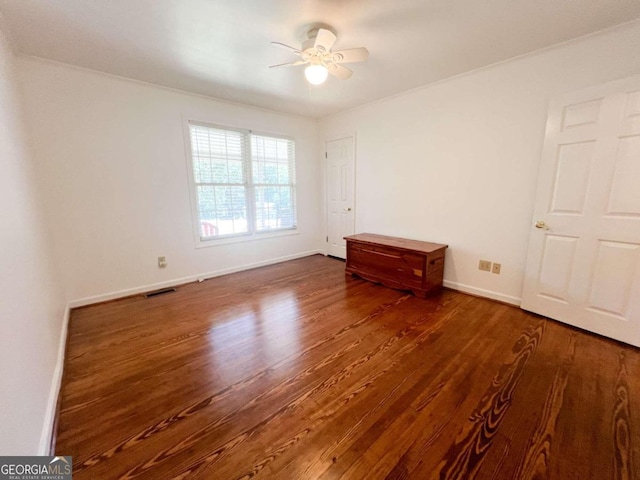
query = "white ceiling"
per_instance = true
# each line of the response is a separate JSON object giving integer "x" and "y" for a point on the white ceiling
{"x": 221, "y": 48}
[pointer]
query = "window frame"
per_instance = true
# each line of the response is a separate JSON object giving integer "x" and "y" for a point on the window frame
{"x": 253, "y": 233}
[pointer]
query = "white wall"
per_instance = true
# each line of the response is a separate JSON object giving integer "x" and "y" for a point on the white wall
{"x": 457, "y": 162}
{"x": 111, "y": 153}
{"x": 31, "y": 302}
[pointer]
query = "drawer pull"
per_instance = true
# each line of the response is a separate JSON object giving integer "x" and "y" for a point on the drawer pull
{"x": 417, "y": 273}
{"x": 437, "y": 260}
{"x": 380, "y": 253}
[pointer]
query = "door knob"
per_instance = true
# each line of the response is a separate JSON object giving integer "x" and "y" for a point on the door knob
{"x": 541, "y": 224}
{"x": 347, "y": 209}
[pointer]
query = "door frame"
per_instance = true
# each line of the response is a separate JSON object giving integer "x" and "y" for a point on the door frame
{"x": 325, "y": 203}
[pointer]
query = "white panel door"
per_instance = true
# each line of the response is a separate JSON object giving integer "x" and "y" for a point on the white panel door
{"x": 340, "y": 195}
{"x": 583, "y": 265}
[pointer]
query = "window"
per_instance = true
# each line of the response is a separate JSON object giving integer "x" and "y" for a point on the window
{"x": 244, "y": 183}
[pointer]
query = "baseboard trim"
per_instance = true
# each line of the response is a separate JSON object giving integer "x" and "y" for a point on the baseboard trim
{"x": 180, "y": 281}
{"x": 481, "y": 292}
{"x": 47, "y": 436}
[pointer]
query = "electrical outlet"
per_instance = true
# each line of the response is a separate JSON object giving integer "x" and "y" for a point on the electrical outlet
{"x": 162, "y": 262}
{"x": 496, "y": 268}
{"x": 484, "y": 265}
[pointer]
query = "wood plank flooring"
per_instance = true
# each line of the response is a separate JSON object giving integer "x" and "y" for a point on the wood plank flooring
{"x": 296, "y": 371}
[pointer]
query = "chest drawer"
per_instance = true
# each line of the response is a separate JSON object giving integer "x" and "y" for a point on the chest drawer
{"x": 404, "y": 266}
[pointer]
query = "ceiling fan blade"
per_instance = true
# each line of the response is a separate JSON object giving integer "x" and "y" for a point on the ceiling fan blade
{"x": 286, "y": 47}
{"x": 324, "y": 40}
{"x": 339, "y": 71}
{"x": 290, "y": 64}
{"x": 350, "y": 55}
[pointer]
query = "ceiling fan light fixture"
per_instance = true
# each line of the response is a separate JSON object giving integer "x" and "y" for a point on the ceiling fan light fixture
{"x": 321, "y": 61}
{"x": 316, "y": 74}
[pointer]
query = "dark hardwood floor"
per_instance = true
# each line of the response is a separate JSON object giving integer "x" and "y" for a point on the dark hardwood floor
{"x": 294, "y": 371}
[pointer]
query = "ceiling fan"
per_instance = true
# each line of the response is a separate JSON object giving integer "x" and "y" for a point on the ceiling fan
{"x": 320, "y": 60}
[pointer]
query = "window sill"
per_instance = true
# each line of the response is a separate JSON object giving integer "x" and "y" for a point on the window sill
{"x": 215, "y": 242}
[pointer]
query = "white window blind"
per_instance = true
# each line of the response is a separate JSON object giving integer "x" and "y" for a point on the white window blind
{"x": 273, "y": 174}
{"x": 244, "y": 183}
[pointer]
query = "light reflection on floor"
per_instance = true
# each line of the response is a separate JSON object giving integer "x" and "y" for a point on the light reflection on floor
{"x": 270, "y": 324}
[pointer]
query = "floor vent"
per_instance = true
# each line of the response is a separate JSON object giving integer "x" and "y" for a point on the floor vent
{"x": 162, "y": 291}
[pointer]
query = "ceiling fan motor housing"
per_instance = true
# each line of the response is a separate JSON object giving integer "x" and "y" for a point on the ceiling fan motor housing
{"x": 312, "y": 35}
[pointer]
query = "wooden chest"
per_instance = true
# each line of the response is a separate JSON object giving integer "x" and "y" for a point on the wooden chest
{"x": 396, "y": 262}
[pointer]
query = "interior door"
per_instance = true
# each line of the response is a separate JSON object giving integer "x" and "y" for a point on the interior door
{"x": 340, "y": 195}
{"x": 583, "y": 265}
